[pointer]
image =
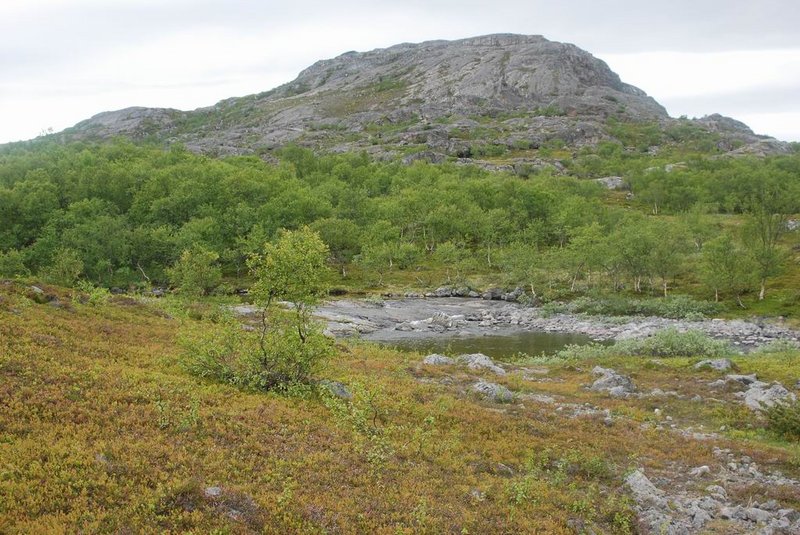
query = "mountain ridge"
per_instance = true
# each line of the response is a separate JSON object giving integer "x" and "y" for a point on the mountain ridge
{"x": 433, "y": 100}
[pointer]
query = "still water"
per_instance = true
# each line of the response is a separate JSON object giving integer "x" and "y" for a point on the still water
{"x": 504, "y": 347}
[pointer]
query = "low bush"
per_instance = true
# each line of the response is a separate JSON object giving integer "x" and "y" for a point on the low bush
{"x": 665, "y": 343}
{"x": 675, "y": 307}
{"x": 778, "y": 346}
{"x": 783, "y": 419}
{"x": 273, "y": 360}
{"x": 673, "y": 343}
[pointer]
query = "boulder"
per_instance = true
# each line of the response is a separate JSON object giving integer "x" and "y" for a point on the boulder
{"x": 479, "y": 361}
{"x": 715, "y": 364}
{"x": 337, "y": 389}
{"x": 612, "y": 382}
{"x": 644, "y": 492}
{"x": 513, "y": 296}
{"x": 437, "y": 360}
{"x": 212, "y": 492}
{"x": 760, "y": 395}
{"x": 493, "y": 294}
{"x": 442, "y": 291}
{"x": 611, "y": 182}
{"x": 493, "y": 391}
{"x": 742, "y": 379}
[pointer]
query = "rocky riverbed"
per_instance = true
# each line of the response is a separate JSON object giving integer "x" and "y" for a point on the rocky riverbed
{"x": 415, "y": 318}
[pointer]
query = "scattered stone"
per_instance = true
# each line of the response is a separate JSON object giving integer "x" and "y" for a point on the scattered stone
{"x": 539, "y": 398}
{"x": 759, "y": 395}
{"x": 212, "y": 492}
{"x": 611, "y": 182}
{"x": 492, "y": 294}
{"x": 245, "y": 310}
{"x": 437, "y": 360}
{"x": 493, "y": 391}
{"x": 754, "y": 514}
{"x": 514, "y": 295}
{"x": 618, "y": 392}
{"x": 743, "y": 379}
{"x": 479, "y": 361}
{"x": 477, "y": 495}
{"x": 612, "y": 382}
{"x": 337, "y": 388}
{"x": 700, "y": 471}
{"x": 715, "y": 364}
{"x": 717, "y": 492}
{"x": 504, "y": 470}
{"x": 643, "y": 490}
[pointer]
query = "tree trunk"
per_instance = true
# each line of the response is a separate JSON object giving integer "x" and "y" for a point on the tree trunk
{"x": 665, "y": 288}
{"x": 716, "y": 295}
{"x": 763, "y": 291}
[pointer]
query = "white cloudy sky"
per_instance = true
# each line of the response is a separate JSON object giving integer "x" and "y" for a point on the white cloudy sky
{"x": 62, "y": 61}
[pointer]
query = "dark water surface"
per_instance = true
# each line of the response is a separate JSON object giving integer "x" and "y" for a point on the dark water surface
{"x": 502, "y": 347}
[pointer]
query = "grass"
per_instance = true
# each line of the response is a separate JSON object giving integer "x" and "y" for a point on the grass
{"x": 102, "y": 429}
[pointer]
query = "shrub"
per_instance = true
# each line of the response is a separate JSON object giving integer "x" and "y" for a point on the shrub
{"x": 778, "y": 346}
{"x": 673, "y": 343}
{"x": 675, "y": 307}
{"x": 12, "y": 264}
{"x": 665, "y": 343}
{"x": 289, "y": 347}
{"x": 230, "y": 354}
{"x": 93, "y": 295}
{"x": 583, "y": 352}
{"x": 783, "y": 419}
{"x": 196, "y": 271}
{"x": 64, "y": 269}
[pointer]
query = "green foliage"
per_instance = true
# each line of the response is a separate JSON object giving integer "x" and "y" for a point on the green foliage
{"x": 289, "y": 347}
{"x": 93, "y": 295}
{"x": 676, "y": 307}
{"x": 196, "y": 272}
{"x": 778, "y": 346}
{"x": 582, "y": 352}
{"x": 783, "y": 419}
{"x": 665, "y": 343}
{"x": 127, "y": 212}
{"x": 727, "y": 268}
{"x": 12, "y": 264}
{"x": 225, "y": 352}
{"x": 292, "y": 269}
{"x": 673, "y": 343}
{"x": 64, "y": 269}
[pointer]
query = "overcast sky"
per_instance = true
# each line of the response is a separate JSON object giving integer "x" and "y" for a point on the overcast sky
{"x": 62, "y": 61}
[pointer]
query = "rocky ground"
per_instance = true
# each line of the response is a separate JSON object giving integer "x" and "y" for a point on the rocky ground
{"x": 730, "y": 493}
{"x": 409, "y": 318}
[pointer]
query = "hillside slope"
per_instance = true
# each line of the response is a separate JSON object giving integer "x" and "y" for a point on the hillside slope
{"x": 99, "y": 415}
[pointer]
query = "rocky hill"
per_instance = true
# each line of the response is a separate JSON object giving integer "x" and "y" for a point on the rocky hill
{"x": 467, "y": 99}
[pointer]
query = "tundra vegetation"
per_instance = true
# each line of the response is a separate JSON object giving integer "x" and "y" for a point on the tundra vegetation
{"x": 169, "y": 414}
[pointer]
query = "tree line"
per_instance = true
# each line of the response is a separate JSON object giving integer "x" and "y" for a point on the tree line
{"x": 119, "y": 214}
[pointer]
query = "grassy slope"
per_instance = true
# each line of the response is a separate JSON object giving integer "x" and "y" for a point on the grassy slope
{"x": 101, "y": 430}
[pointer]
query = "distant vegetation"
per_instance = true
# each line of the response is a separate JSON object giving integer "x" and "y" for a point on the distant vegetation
{"x": 119, "y": 214}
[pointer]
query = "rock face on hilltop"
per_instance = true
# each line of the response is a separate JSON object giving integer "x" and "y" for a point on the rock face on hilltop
{"x": 464, "y": 99}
